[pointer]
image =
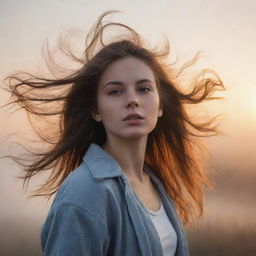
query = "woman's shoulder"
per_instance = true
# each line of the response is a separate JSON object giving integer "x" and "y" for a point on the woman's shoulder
{"x": 81, "y": 189}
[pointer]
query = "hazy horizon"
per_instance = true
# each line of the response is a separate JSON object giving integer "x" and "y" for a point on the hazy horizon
{"x": 225, "y": 31}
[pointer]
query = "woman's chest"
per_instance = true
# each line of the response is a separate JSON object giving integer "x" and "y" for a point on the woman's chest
{"x": 147, "y": 194}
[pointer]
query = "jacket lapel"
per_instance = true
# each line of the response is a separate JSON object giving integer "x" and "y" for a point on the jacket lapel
{"x": 146, "y": 235}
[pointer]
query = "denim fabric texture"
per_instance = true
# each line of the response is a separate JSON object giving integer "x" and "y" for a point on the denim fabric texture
{"x": 96, "y": 212}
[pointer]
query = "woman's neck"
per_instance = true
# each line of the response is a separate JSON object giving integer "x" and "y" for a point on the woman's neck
{"x": 130, "y": 156}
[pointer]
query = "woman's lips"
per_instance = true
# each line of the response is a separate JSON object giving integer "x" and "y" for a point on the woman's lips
{"x": 133, "y": 116}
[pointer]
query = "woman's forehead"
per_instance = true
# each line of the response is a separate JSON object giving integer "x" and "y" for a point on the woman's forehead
{"x": 128, "y": 69}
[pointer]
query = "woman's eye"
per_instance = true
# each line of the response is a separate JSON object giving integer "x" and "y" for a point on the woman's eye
{"x": 144, "y": 89}
{"x": 115, "y": 92}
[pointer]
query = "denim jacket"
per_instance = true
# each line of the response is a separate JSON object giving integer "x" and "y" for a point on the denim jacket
{"x": 96, "y": 212}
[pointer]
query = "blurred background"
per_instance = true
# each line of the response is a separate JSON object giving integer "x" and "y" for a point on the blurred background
{"x": 224, "y": 30}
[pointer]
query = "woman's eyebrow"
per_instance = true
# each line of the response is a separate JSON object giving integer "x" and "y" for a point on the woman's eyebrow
{"x": 113, "y": 83}
{"x": 120, "y": 83}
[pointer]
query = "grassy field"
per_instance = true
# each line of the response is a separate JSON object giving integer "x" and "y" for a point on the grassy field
{"x": 218, "y": 239}
{"x": 229, "y": 227}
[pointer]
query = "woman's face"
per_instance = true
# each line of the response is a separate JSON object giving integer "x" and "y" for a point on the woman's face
{"x": 127, "y": 99}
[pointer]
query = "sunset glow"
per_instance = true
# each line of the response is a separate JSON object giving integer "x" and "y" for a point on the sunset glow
{"x": 224, "y": 30}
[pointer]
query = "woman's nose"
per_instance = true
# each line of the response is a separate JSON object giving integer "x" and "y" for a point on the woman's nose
{"x": 133, "y": 103}
{"x": 132, "y": 100}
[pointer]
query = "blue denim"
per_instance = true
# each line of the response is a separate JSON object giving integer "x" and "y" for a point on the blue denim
{"x": 96, "y": 212}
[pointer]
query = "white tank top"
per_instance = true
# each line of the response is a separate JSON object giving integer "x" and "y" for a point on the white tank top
{"x": 165, "y": 230}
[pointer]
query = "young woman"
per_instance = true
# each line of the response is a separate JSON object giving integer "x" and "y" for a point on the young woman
{"x": 124, "y": 157}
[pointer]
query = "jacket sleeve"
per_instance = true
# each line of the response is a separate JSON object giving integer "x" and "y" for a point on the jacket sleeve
{"x": 70, "y": 230}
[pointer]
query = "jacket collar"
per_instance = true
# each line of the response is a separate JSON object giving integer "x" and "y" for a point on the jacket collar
{"x": 101, "y": 164}
{"x": 104, "y": 166}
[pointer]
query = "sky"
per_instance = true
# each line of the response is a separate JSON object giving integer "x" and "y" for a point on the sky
{"x": 224, "y": 30}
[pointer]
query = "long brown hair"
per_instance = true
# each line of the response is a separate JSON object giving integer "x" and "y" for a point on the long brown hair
{"x": 171, "y": 147}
